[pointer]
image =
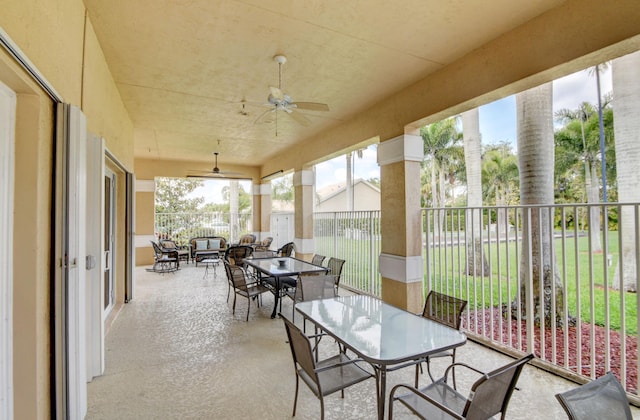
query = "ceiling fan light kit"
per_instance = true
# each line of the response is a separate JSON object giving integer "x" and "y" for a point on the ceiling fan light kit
{"x": 280, "y": 101}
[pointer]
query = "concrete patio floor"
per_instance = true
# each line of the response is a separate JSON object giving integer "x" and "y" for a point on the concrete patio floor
{"x": 177, "y": 352}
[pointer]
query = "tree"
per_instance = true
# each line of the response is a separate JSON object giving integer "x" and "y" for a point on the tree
{"x": 626, "y": 90}
{"x": 282, "y": 189}
{"x": 171, "y": 195}
{"x": 536, "y": 157}
{"x": 500, "y": 175}
{"x": 476, "y": 262}
{"x": 443, "y": 156}
{"x": 580, "y": 146}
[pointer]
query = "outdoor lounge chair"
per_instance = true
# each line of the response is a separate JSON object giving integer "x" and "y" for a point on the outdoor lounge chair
{"x": 488, "y": 396}
{"x": 602, "y": 398}
{"x": 164, "y": 261}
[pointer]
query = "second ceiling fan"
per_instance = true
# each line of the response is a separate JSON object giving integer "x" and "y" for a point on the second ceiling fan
{"x": 280, "y": 101}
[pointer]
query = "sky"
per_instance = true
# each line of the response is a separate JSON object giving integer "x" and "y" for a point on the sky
{"x": 497, "y": 124}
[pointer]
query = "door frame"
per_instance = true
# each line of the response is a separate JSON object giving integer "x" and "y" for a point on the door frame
{"x": 7, "y": 179}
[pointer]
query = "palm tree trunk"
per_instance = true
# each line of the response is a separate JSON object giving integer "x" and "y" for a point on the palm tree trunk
{"x": 536, "y": 158}
{"x": 626, "y": 87}
{"x": 476, "y": 260}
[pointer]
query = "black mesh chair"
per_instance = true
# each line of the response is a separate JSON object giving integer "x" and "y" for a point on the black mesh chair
{"x": 326, "y": 376}
{"x": 488, "y": 396}
{"x": 446, "y": 310}
{"x": 242, "y": 285}
{"x": 602, "y": 398}
{"x": 335, "y": 269}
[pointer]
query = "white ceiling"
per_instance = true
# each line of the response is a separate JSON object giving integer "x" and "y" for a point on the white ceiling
{"x": 184, "y": 67}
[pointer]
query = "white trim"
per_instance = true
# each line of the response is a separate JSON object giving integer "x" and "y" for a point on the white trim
{"x": 7, "y": 179}
{"x": 305, "y": 245}
{"x": 408, "y": 147}
{"x": 399, "y": 268}
{"x": 303, "y": 178}
{"x": 95, "y": 245}
{"x": 144, "y": 241}
{"x": 145, "y": 185}
{"x": 261, "y": 189}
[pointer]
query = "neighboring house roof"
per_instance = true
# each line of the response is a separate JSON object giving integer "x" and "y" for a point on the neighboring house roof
{"x": 333, "y": 197}
{"x": 332, "y": 190}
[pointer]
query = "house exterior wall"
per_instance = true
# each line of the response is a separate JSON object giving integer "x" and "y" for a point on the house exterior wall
{"x": 366, "y": 199}
{"x": 54, "y": 37}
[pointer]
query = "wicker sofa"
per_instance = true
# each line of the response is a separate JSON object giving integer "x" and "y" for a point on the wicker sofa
{"x": 203, "y": 246}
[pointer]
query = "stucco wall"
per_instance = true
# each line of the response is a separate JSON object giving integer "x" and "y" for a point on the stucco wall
{"x": 52, "y": 36}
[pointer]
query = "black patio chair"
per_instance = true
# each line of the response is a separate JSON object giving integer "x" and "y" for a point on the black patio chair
{"x": 317, "y": 259}
{"x": 164, "y": 261}
{"x": 326, "y": 376}
{"x": 602, "y": 398}
{"x": 446, "y": 310}
{"x": 286, "y": 250}
{"x": 335, "y": 269}
{"x": 243, "y": 285}
{"x": 237, "y": 253}
{"x": 488, "y": 396}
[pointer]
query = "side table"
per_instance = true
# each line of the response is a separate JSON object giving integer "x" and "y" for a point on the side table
{"x": 210, "y": 262}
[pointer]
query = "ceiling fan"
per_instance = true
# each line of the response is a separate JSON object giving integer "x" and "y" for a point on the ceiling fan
{"x": 280, "y": 101}
{"x": 216, "y": 172}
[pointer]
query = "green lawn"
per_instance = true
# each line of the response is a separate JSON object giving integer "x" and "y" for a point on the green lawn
{"x": 501, "y": 286}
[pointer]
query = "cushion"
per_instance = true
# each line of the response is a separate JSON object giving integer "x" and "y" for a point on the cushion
{"x": 201, "y": 245}
{"x": 169, "y": 244}
{"x": 214, "y": 243}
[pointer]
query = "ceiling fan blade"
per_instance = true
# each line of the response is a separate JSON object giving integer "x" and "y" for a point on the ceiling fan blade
{"x": 265, "y": 116}
{"x": 300, "y": 118}
{"x": 311, "y": 106}
{"x": 277, "y": 93}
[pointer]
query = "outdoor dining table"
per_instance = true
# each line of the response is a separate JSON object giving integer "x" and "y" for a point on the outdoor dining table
{"x": 279, "y": 268}
{"x": 381, "y": 334}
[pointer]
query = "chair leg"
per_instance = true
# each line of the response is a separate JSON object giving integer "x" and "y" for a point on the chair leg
{"x": 248, "y": 308}
{"x": 295, "y": 399}
{"x": 234, "y": 304}
{"x": 321, "y": 408}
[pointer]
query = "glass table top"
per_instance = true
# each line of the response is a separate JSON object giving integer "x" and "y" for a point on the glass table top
{"x": 379, "y": 332}
{"x": 282, "y": 266}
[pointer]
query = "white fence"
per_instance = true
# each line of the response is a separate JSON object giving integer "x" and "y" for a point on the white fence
{"x": 544, "y": 279}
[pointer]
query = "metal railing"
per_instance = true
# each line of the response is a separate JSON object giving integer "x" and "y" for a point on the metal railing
{"x": 353, "y": 236}
{"x": 544, "y": 279}
{"x": 181, "y": 227}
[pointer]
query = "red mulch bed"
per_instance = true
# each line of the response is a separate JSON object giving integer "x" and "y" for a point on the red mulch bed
{"x": 484, "y": 321}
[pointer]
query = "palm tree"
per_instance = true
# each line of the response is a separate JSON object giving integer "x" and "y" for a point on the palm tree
{"x": 500, "y": 176}
{"x": 626, "y": 90}
{"x": 587, "y": 149}
{"x": 476, "y": 262}
{"x": 441, "y": 148}
{"x": 535, "y": 155}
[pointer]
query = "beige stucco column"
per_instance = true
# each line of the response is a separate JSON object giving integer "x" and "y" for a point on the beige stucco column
{"x": 401, "y": 264}
{"x": 262, "y": 210}
{"x": 145, "y": 207}
{"x": 303, "y": 186}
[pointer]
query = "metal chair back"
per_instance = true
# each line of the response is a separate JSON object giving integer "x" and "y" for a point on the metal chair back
{"x": 599, "y": 399}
